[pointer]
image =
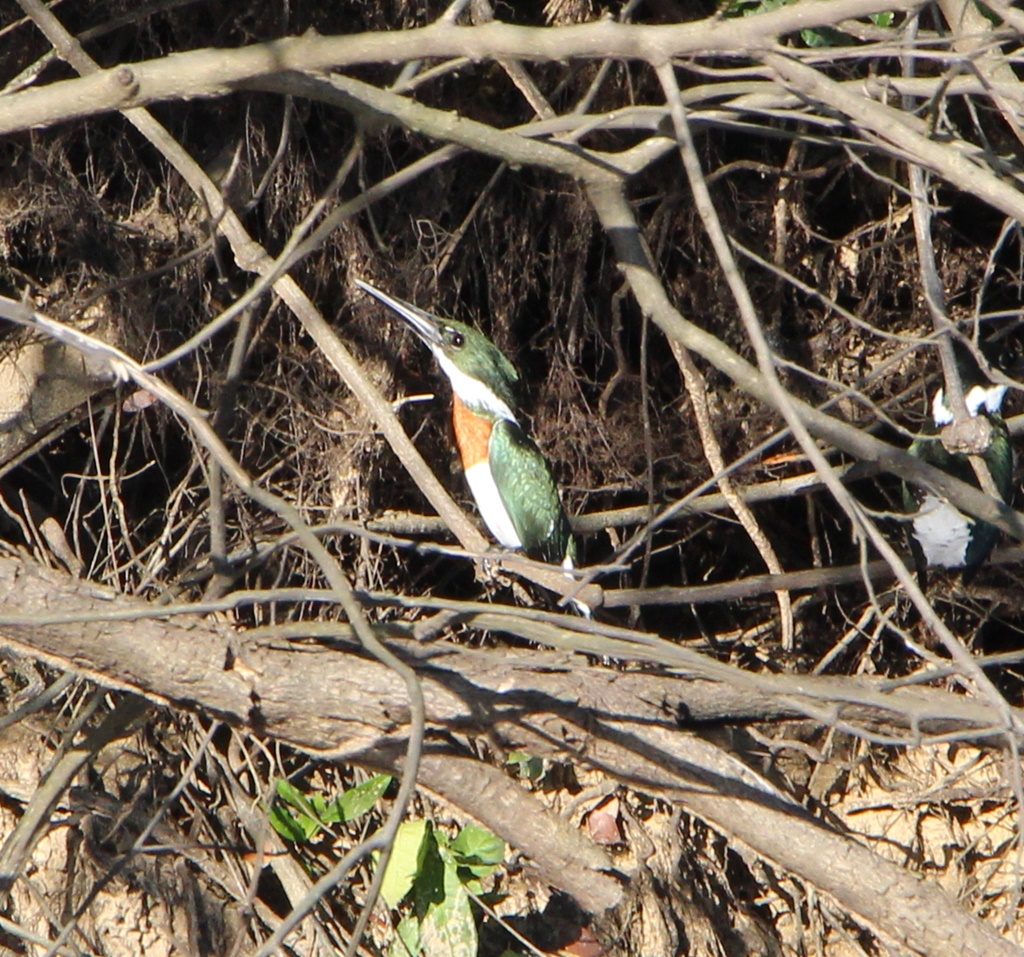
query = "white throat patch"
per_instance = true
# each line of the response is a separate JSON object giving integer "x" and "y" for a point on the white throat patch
{"x": 473, "y": 392}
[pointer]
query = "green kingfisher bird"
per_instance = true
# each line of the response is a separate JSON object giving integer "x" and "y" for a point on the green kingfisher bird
{"x": 510, "y": 479}
{"x": 941, "y": 534}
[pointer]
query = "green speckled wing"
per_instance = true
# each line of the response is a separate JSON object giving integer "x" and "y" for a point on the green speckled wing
{"x": 1000, "y": 459}
{"x": 528, "y": 491}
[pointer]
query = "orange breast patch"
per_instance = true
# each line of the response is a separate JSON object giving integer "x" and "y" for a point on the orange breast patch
{"x": 472, "y": 433}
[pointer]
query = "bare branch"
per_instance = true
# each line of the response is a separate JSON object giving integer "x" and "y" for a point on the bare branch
{"x": 625, "y": 723}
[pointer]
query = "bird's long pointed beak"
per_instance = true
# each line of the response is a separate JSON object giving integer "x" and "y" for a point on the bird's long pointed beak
{"x": 425, "y": 325}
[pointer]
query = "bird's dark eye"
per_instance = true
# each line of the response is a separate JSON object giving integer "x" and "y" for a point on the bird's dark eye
{"x": 457, "y": 339}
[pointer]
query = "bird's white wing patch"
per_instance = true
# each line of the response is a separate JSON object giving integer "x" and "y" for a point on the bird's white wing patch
{"x": 978, "y": 397}
{"x": 943, "y": 532}
{"x": 488, "y": 501}
{"x": 473, "y": 392}
{"x": 989, "y": 396}
{"x": 940, "y": 411}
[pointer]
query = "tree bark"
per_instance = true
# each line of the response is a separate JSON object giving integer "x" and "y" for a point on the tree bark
{"x": 333, "y": 701}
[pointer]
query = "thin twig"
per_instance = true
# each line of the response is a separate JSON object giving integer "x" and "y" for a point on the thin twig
{"x": 862, "y": 524}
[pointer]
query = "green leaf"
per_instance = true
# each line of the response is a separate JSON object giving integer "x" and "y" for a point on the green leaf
{"x": 429, "y": 889}
{"x": 529, "y": 766}
{"x": 881, "y": 19}
{"x": 282, "y": 821}
{"x": 765, "y": 6}
{"x": 411, "y": 843}
{"x": 407, "y": 939}
{"x": 448, "y": 929}
{"x": 289, "y": 793}
{"x": 310, "y": 819}
{"x": 355, "y": 802}
{"x": 293, "y": 796}
{"x": 331, "y": 813}
{"x": 825, "y": 37}
{"x": 478, "y": 850}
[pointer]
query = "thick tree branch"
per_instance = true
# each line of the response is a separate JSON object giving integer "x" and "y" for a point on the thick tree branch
{"x": 504, "y": 144}
{"x": 216, "y": 72}
{"x": 626, "y": 723}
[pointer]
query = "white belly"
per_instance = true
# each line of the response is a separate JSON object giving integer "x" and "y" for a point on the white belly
{"x": 943, "y": 532}
{"x": 488, "y": 501}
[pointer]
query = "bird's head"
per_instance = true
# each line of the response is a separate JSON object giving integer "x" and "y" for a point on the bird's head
{"x": 480, "y": 374}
